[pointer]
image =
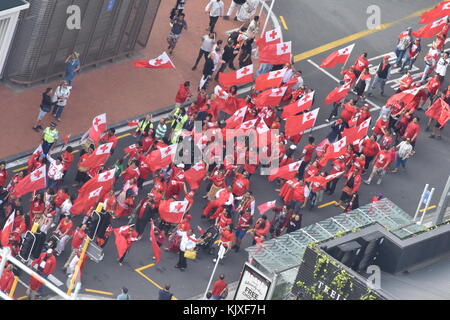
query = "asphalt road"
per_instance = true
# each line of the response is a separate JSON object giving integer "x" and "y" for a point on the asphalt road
{"x": 311, "y": 24}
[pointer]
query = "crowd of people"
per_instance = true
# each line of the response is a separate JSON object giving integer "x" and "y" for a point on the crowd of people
{"x": 222, "y": 186}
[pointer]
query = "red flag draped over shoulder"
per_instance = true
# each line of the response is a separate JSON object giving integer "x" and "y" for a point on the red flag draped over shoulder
{"x": 97, "y": 158}
{"x": 434, "y": 111}
{"x": 161, "y": 158}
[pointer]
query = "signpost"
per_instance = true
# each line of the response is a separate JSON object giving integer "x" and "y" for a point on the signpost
{"x": 253, "y": 285}
{"x": 220, "y": 255}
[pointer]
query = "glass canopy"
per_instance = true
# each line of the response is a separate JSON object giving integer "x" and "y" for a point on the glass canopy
{"x": 284, "y": 252}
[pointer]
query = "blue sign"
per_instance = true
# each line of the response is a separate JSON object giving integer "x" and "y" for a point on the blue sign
{"x": 111, "y": 4}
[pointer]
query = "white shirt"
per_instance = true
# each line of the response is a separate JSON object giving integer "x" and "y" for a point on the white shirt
{"x": 441, "y": 66}
{"x": 186, "y": 243}
{"x": 66, "y": 206}
{"x": 288, "y": 75}
{"x": 385, "y": 110}
{"x": 55, "y": 171}
{"x": 207, "y": 43}
{"x": 404, "y": 149}
{"x": 61, "y": 93}
{"x": 215, "y": 8}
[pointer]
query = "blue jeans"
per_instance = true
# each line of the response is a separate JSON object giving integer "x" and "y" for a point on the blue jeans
{"x": 312, "y": 199}
{"x": 399, "y": 53}
{"x": 400, "y": 162}
{"x": 425, "y": 72}
{"x": 378, "y": 81}
{"x": 57, "y": 111}
{"x": 46, "y": 147}
{"x": 409, "y": 61}
{"x": 263, "y": 68}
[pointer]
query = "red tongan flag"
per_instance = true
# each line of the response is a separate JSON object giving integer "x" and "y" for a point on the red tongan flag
{"x": 338, "y": 93}
{"x": 272, "y": 79}
{"x": 32, "y": 182}
{"x": 172, "y": 211}
{"x": 303, "y": 122}
{"x": 337, "y": 57}
{"x": 241, "y": 76}
{"x": 286, "y": 172}
{"x": 431, "y": 29}
{"x": 266, "y": 206}
{"x": 440, "y": 10}
{"x": 161, "y": 62}
{"x": 7, "y": 229}
{"x": 270, "y": 37}
{"x": 98, "y": 157}
{"x": 279, "y": 53}
{"x": 98, "y": 127}
{"x": 161, "y": 158}
{"x": 195, "y": 175}
{"x": 300, "y": 105}
{"x": 270, "y": 98}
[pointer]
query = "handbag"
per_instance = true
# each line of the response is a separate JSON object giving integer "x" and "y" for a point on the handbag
{"x": 190, "y": 254}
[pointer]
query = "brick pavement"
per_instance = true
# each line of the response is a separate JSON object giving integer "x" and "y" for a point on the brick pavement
{"x": 117, "y": 89}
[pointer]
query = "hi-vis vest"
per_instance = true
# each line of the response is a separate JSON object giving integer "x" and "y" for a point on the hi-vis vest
{"x": 143, "y": 126}
{"x": 50, "y": 135}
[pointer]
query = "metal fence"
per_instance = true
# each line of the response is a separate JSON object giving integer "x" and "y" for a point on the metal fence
{"x": 109, "y": 29}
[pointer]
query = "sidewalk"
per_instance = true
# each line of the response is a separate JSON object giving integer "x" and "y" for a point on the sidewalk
{"x": 118, "y": 89}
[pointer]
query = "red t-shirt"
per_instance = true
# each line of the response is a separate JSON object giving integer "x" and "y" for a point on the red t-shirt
{"x": 371, "y": 148}
{"x": 383, "y": 158}
{"x": 67, "y": 158}
{"x": 218, "y": 287}
{"x": 380, "y": 124}
{"x": 308, "y": 152}
{"x": 361, "y": 64}
{"x": 348, "y": 112}
{"x": 182, "y": 94}
{"x": 240, "y": 185}
{"x": 411, "y": 130}
{"x": 3, "y": 177}
{"x": 408, "y": 81}
{"x": 433, "y": 86}
{"x": 77, "y": 241}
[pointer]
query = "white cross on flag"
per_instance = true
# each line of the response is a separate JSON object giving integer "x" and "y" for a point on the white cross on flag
{"x": 337, "y": 57}
{"x": 272, "y": 79}
{"x": 431, "y": 29}
{"x": 248, "y": 124}
{"x": 95, "y": 193}
{"x": 107, "y": 175}
{"x": 355, "y": 134}
{"x": 262, "y": 127}
{"x": 161, "y": 62}
{"x": 275, "y": 54}
{"x": 241, "y": 76}
{"x": 172, "y": 211}
{"x": 303, "y": 104}
{"x": 36, "y": 180}
{"x": 218, "y": 91}
{"x": 336, "y": 149}
{"x": 98, "y": 127}
{"x": 269, "y": 37}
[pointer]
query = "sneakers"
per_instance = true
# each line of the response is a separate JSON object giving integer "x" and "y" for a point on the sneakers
{"x": 214, "y": 260}
{"x": 52, "y": 225}
{"x": 379, "y": 181}
{"x": 193, "y": 68}
{"x": 367, "y": 181}
{"x": 327, "y": 120}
